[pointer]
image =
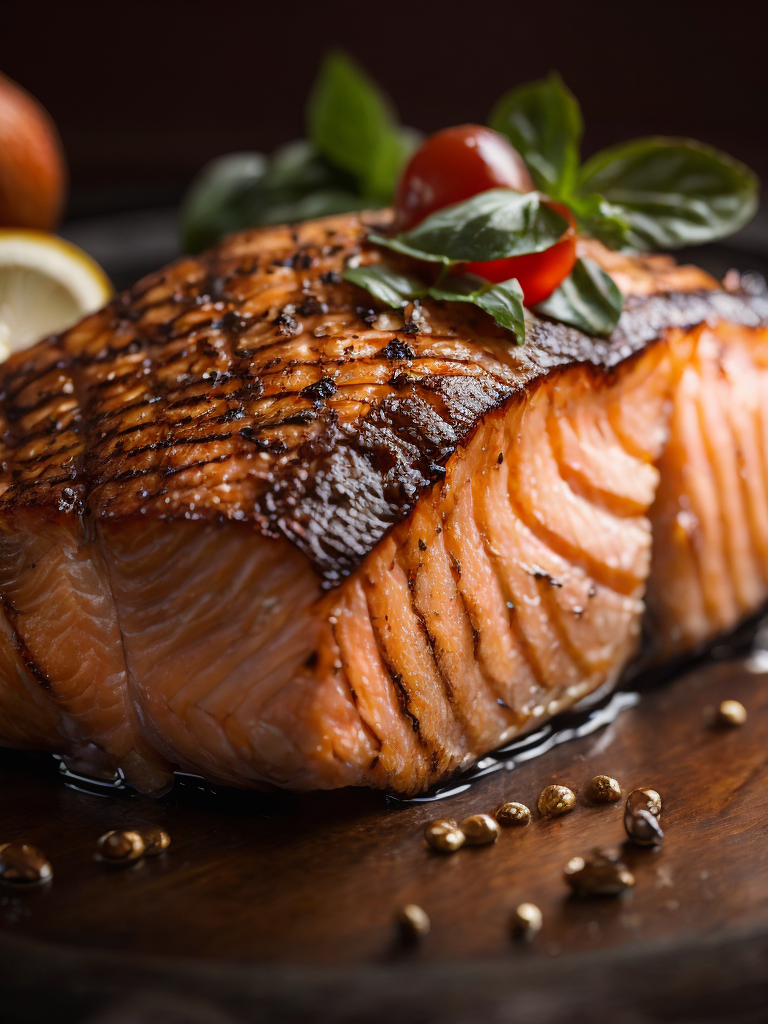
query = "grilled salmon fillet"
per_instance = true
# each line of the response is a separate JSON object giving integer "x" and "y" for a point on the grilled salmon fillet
{"x": 256, "y": 528}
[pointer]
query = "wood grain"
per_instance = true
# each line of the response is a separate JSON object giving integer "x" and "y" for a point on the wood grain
{"x": 300, "y": 890}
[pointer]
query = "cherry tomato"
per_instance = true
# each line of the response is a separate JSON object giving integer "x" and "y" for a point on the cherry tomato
{"x": 538, "y": 273}
{"x": 453, "y": 165}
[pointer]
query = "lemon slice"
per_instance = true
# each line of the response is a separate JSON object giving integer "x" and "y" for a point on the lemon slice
{"x": 46, "y": 285}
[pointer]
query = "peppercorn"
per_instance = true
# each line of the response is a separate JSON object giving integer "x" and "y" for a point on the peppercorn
{"x": 444, "y": 835}
{"x": 22, "y": 864}
{"x": 644, "y": 800}
{"x": 156, "y": 840}
{"x": 643, "y": 828}
{"x": 731, "y": 712}
{"x": 480, "y": 829}
{"x": 413, "y": 923}
{"x": 556, "y": 800}
{"x": 513, "y": 813}
{"x": 527, "y": 920}
{"x": 603, "y": 790}
{"x": 120, "y": 846}
{"x": 602, "y": 873}
{"x": 641, "y": 817}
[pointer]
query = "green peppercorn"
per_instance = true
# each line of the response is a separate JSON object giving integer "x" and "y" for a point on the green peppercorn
{"x": 156, "y": 840}
{"x": 603, "y": 790}
{"x": 120, "y": 846}
{"x": 444, "y": 835}
{"x": 731, "y": 712}
{"x": 480, "y": 829}
{"x": 602, "y": 873}
{"x": 527, "y": 920}
{"x": 23, "y": 865}
{"x": 412, "y": 922}
{"x": 512, "y": 813}
{"x": 556, "y": 800}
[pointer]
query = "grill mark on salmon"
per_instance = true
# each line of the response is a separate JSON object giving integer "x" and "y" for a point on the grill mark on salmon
{"x": 22, "y": 650}
{"x": 480, "y": 514}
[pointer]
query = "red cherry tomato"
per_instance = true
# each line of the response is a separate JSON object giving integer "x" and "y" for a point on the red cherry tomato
{"x": 538, "y": 273}
{"x": 453, "y": 165}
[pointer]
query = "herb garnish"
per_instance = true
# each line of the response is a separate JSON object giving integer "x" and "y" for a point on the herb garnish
{"x": 503, "y": 301}
{"x": 648, "y": 193}
{"x": 490, "y": 226}
{"x": 588, "y": 299}
{"x": 354, "y": 151}
{"x": 653, "y": 192}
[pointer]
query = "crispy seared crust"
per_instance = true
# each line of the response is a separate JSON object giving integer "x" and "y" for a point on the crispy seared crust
{"x": 253, "y": 384}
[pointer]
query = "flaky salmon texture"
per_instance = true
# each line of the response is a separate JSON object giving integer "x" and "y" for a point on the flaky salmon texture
{"x": 255, "y": 529}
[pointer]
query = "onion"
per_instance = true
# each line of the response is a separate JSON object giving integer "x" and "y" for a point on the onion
{"x": 32, "y": 167}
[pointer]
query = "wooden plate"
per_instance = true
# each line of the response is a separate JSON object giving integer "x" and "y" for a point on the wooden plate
{"x": 280, "y": 907}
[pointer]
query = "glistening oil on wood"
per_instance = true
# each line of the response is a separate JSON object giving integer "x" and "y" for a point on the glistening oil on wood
{"x": 595, "y": 712}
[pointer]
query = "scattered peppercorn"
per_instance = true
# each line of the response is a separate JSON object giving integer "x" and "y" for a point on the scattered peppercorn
{"x": 480, "y": 829}
{"x": 556, "y": 800}
{"x": 644, "y": 800}
{"x": 156, "y": 840}
{"x": 22, "y": 864}
{"x": 527, "y": 920}
{"x": 643, "y": 828}
{"x": 731, "y": 712}
{"x": 603, "y": 790}
{"x": 513, "y": 813}
{"x": 641, "y": 817}
{"x": 444, "y": 835}
{"x": 602, "y": 873}
{"x": 412, "y": 922}
{"x": 120, "y": 846}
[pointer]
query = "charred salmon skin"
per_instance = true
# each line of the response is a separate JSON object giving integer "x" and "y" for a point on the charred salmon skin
{"x": 254, "y": 528}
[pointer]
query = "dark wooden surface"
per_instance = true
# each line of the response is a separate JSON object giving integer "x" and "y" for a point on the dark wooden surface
{"x": 284, "y": 903}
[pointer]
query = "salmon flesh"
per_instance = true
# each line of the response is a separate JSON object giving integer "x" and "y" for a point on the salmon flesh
{"x": 256, "y": 528}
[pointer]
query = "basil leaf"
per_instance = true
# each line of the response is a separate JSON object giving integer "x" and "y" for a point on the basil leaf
{"x": 246, "y": 190}
{"x": 503, "y": 301}
{"x": 385, "y": 284}
{"x": 673, "y": 192}
{"x": 588, "y": 299}
{"x": 213, "y": 206}
{"x": 387, "y": 161}
{"x": 323, "y": 203}
{"x": 602, "y": 220}
{"x": 489, "y": 226}
{"x": 543, "y": 122}
{"x": 353, "y": 126}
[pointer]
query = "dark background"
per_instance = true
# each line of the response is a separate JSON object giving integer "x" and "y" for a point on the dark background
{"x": 144, "y": 93}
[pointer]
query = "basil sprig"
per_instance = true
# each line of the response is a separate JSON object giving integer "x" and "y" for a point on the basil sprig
{"x": 350, "y": 161}
{"x": 353, "y": 125}
{"x": 389, "y": 286}
{"x": 503, "y": 301}
{"x": 490, "y": 226}
{"x": 643, "y": 194}
{"x": 248, "y": 189}
{"x": 543, "y": 122}
{"x": 588, "y": 299}
{"x": 672, "y": 192}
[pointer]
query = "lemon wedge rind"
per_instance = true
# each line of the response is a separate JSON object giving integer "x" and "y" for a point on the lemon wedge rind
{"x": 46, "y": 285}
